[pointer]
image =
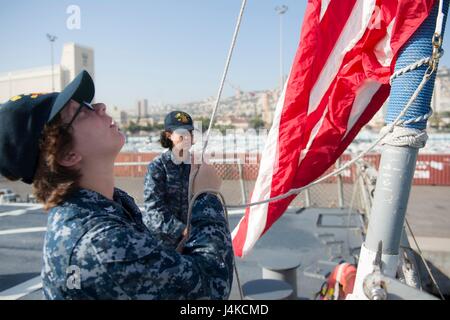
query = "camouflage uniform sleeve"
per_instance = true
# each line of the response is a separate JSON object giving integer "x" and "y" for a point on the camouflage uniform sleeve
{"x": 157, "y": 217}
{"x": 137, "y": 266}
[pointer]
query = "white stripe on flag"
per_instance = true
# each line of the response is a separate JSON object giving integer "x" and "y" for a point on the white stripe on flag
{"x": 363, "y": 97}
{"x": 312, "y": 136}
{"x": 383, "y": 50}
{"x": 257, "y": 216}
{"x": 354, "y": 29}
{"x": 323, "y": 8}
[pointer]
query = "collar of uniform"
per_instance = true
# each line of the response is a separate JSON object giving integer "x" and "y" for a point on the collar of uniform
{"x": 117, "y": 206}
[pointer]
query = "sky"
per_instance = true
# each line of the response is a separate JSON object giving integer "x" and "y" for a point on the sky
{"x": 167, "y": 51}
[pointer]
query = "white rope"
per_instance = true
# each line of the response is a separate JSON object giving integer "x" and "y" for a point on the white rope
{"x": 405, "y": 137}
{"x": 418, "y": 119}
{"x": 211, "y": 121}
{"x": 411, "y": 67}
{"x": 224, "y": 76}
{"x": 222, "y": 84}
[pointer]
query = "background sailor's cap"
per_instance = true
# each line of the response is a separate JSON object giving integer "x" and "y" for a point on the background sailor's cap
{"x": 178, "y": 120}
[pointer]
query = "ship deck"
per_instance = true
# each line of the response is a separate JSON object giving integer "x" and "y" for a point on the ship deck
{"x": 318, "y": 237}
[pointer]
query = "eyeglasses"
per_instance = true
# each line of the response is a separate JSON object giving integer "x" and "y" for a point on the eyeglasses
{"x": 82, "y": 104}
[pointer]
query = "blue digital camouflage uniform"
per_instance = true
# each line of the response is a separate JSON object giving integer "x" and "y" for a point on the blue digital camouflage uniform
{"x": 166, "y": 197}
{"x": 96, "y": 248}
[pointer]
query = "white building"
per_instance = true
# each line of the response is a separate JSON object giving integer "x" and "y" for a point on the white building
{"x": 74, "y": 59}
{"x": 377, "y": 121}
{"x": 441, "y": 94}
{"x": 119, "y": 116}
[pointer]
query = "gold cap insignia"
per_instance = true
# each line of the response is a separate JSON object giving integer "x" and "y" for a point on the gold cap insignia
{"x": 182, "y": 117}
{"x": 15, "y": 98}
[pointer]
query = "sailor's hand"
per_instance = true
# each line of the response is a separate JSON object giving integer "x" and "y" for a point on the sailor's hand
{"x": 204, "y": 177}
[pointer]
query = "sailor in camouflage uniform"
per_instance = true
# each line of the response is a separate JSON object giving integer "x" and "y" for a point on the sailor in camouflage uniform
{"x": 96, "y": 245}
{"x": 166, "y": 184}
{"x": 114, "y": 256}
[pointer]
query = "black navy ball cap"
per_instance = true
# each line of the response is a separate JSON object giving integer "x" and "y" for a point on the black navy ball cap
{"x": 178, "y": 120}
{"x": 22, "y": 120}
{"x": 80, "y": 89}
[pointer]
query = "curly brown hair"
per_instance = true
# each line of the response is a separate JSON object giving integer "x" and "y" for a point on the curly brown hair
{"x": 165, "y": 141}
{"x": 53, "y": 183}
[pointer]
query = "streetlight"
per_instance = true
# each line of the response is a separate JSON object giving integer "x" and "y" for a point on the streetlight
{"x": 52, "y": 39}
{"x": 281, "y": 10}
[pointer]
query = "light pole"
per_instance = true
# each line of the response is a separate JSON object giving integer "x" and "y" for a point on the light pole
{"x": 281, "y": 10}
{"x": 52, "y": 39}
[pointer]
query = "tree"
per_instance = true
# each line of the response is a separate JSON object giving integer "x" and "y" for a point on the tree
{"x": 257, "y": 123}
{"x": 133, "y": 127}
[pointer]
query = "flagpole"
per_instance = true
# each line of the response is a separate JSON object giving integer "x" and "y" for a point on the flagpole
{"x": 380, "y": 251}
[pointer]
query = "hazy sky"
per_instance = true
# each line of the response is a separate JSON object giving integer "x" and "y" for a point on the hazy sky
{"x": 167, "y": 51}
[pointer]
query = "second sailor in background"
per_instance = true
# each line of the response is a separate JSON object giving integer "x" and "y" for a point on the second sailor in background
{"x": 166, "y": 184}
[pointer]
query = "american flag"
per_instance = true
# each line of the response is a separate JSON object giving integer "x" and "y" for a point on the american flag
{"x": 338, "y": 81}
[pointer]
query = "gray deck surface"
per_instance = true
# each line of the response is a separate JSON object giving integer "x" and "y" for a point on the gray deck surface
{"x": 293, "y": 235}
